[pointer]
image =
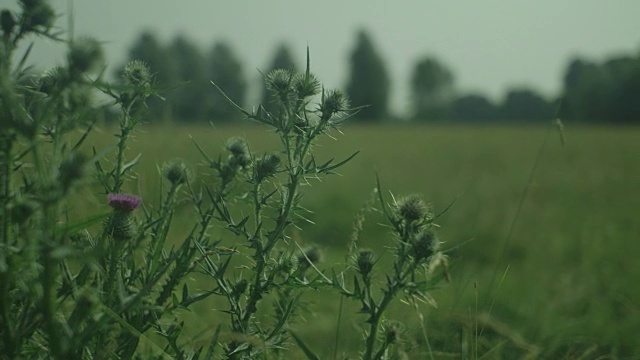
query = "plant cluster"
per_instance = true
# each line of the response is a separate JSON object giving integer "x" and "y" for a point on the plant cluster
{"x": 112, "y": 285}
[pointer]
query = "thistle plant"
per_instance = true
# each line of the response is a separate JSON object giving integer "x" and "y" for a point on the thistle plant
{"x": 112, "y": 284}
{"x": 416, "y": 255}
{"x": 272, "y": 182}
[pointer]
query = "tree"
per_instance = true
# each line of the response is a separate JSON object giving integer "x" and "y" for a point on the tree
{"x": 191, "y": 100}
{"x": 432, "y": 89}
{"x": 368, "y": 82}
{"x": 282, "y": 59}
{"x": 603, "y": 92}
{"x": 526, "y": 105}
{"x": 473, "y": 108}
{"x": 225, "y": 71}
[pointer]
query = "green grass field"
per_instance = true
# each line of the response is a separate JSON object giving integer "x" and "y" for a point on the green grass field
{"x": 567, "y": 284}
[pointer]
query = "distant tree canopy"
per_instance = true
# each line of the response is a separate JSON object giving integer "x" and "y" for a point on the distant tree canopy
{"x": 608, "y": 91}
{"x": 525, "y": 105}
{"x": 368, "y": 83}
{"x": 282, "y": 59}
{"x": 183, "y": 74}
{"x": 432, "y": 90}
{"x": 474, "y": 108}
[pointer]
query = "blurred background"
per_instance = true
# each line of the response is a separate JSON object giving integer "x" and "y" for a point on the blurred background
{"x": 543, "y": 235}
{"x": 411, "y": 60}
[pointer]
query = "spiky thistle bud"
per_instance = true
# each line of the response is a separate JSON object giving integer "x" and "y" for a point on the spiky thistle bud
{"x": 239, "y": 288}
{"x": 239, "y": 150}
{"x": 287, "y": 264}
{"x": 176, "y": 171}
{"x": 266, "y": 167}
{"x": 121, "y": 224}
{"x": 425, "y": 245}
{"x": 333, "y": 102}
{"x": 7, "y": 22}
{"x": 137, "y": 73}
{"x": 279, "y": 83}
{"x": 37, "y": 14}
{"x": 305, "y": 85}
{"x": 52, "y": 80}
{"x": 365, "y": 261}
{"x": 84, "y": 55}
{"x": 412, "y": 208}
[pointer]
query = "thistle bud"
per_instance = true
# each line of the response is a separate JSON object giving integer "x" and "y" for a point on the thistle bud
{"x": 306, "y": 86}
{"x": 266, "y": 167}
{"x": 121, "y": 224}
{"x": 239, "y": 152}
{"x": 37, "y": 13}
{"x": 392, "y": 335}
{"x": 137, "y": 74}
{"x": 279, "y": 82}
{"x": 84, "y": 55}
{"x": 365, "y": 261}
{"x": 176, "y": 172}
{"x": 7, "y": 22}
{"x": 412, "y": 208}
{"x": 333, "y": 102}
{"x": 425, "y": 245}
{"x": 240, "y": 287}
{"x": 51, "y": 80}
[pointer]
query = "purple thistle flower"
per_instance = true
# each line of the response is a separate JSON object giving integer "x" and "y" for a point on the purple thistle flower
{"x": 124, "y": 202}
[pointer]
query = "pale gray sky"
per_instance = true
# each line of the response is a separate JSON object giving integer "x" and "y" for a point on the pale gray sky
{"x": 488, "y": 44}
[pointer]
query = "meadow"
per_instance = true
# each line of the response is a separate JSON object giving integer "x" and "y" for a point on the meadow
{"x": 553, "y": 276}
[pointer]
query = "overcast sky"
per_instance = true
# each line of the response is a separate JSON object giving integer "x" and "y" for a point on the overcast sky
{"x": 489, "y": 45}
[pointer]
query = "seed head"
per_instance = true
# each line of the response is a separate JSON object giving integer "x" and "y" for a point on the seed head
{"x": 176, "y": 172}
{"x": 412, "y": 208}
{"x": 124, "y": 202}
{"x": 365, "y": 261}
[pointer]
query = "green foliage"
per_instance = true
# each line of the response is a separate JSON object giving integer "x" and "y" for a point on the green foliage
{"x": 368, "y": 83}
{"x": 432, "y": 90}
{"x": 525, "y": 105}
{"x": 473, "y": 108}
{"x": 602, "y": 92}
{"x": 114, "y": 285}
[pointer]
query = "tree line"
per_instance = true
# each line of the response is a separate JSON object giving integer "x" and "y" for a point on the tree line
{"x": 606, "y": 92}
